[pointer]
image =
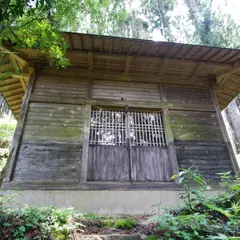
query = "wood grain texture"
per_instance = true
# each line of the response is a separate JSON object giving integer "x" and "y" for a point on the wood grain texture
{"x": 108, "y": 163}
{"x": 18, "y": 135}
{"x": 151, "y": 164}
{"x": 202, "y": 126}
{"x": 47, "y": 121}
{"x": 57, "y": 88}
{"x": 208, "y": 158}
{"x": 188, "y": 95}
{"x": 125, "y": 90}
{"x": 48, "y": 160}
{"x": 224, "y": 132}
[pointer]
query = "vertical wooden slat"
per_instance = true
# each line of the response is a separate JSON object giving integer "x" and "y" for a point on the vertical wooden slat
{"x": 19, "y": 130}
{"x": 224, "y": 131}
{"x": 85, "y": 147}
{"x": 128, "y": 143}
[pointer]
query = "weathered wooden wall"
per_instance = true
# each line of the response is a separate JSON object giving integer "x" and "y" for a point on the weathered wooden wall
{"x": 51, "y": 145}
{"x": 52, "y": 148}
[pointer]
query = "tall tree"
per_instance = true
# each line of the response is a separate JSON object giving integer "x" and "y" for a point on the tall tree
{"x": 212, "y": 27}
{"x": 158, "y": 14}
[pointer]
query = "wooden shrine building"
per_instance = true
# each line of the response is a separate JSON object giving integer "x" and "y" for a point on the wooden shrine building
{"x": 126, "y": 114}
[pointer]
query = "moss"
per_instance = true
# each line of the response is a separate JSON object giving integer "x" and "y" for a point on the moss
{"x": 126, "y": 224}
{"x": 152, "y": 237}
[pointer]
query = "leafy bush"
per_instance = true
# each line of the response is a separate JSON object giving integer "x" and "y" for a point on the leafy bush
{"x": 202, "y": 217}
{"x": 120, "y": 223}
{"x": 36, "y": 223}
{"x": 7, "y": 128}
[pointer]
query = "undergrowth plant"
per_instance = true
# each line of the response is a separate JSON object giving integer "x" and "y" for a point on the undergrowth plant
{"x": 200, "y": 216}
{"x": 36, "y": 223}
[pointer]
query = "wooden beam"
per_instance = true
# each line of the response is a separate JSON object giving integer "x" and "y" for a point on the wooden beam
{"x": 110, "y": 75}
{"x": 24, "y": 86}
{"x": 5, "y": 67}
{"x": 13, "y": 92}
{"x": 103, "y": 55}
{"x": 234, "y": 69}
{"x": 8, "y": 81}
{"x": 16, "y": 107}
{"x": 90, "y": 61}
{"x": 164, "y": 62}
{"x": 127, "y": 65}
{"x": 195, "y": 71}
{"x": 11, "y": 87}
{"x": 169, "y": 135}
{"x": 221, "y": 78}
{"x": 13, "y": 55}
{"x": 14, "y": 97}
{"x": 224, "y": 131}
{"x": 15, "y": 102}
{"x": 84, "y": 159}
{"x": 131, "y": 104}
{"x": 22, "y": 75}
{"x": 18, "y": 133}
{"x": 130, "y": 48}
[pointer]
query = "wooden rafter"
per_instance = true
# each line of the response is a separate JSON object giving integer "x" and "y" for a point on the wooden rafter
{"x": 22, "y": 75}
{"x": 23, "y": 83}
{"x": 221, "y": 78}
{"x": 195, "y": 71}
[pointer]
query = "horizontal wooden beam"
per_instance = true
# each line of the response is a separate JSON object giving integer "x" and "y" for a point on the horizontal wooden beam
{"x": 14, "y": 97}
{"x": 5, "y": 67}
{"x": 234, "y": 69}
{"x": 130, "y": 104}
{"x": 22, "y": 75}
{"x": 8, "y": 81}
{"x": 10, "y": 87}
{"x": 13, "y": 92}
{"x": 13, "y": 55}
{"x": 113, "y": 76}
{"x": 122, "y": 57}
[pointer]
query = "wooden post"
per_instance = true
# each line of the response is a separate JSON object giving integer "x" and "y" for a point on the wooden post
{"x": 19, "y": 130}
{"x": 128, "y": 144}
{"x": 224, "y": 131}
{"x": 85, "y": 146}
{"x": 169, "y": 136}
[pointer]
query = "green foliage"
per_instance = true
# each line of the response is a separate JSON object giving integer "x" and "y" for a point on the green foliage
{"x": 202, "y": 217}
{"x": 7, "y": 128}
{"x": 40, "y": 223}
{"x": 120, "y": 223}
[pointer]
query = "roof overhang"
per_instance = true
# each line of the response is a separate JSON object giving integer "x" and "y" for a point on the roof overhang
{"x": 146, "y": 60}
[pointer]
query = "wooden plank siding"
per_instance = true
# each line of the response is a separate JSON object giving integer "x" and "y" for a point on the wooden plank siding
{"x": 108, "y": 163}
{"x": 208, "y": 157}
{"x": 151, "y": 164}
{"x": 125, "y": 91}
{"x": 51, "y": 145}
{"x": 55, "y": 149}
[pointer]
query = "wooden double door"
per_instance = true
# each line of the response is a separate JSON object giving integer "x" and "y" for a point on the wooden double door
{"x": 127, "y": 146}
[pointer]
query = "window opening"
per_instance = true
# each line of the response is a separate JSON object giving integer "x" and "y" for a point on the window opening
{"x": 147, "y": 129}
{"x": 108, "y": 127}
